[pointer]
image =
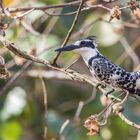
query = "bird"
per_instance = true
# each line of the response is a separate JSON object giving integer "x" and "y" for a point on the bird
{"x": 102, "y": 69}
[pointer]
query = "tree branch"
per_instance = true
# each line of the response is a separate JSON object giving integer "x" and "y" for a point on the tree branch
{"x": 70, "y": 31}
{"x": 126, "y": 120}
{"x": 13, "y": 10}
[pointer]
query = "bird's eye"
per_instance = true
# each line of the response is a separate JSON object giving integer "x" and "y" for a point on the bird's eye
{"x": 83, "y": 43}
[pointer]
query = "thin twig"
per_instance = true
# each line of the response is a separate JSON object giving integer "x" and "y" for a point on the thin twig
{"x": 131, "y": 25}
{"x": 8, "y": 84}
{"x": 130, "y": 51}
{"x": 45, "y": 107}
{"x": 23, "y": 14}
{"x": 99, "y": 6}
{"x": 83, "y": 9}
{"x": 70, "y": 31}
{"x": 63, "y": 126}
{"x": 51, "y": 23}
{"x": 124, "y": 55}
{"x": 124, "y": 7}
{"x": 72, "y": 63}
{"x": 83, "y": 103}
{"x": 85, "y": 28}
{"x": 62, "y": 14}
{"x": 2, "y": 7}
{"x": 29, "y": 28}
{"x": 121, "y": 115}
{"x": 74, "y": 3}
{"x": 92, "y": 97}
{"x": 78, "y": 111}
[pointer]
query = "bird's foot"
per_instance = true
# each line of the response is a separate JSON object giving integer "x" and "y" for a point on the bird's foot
{"x": 109, "y": 92}
{"x": 100, "y": 85}
{"x": 118, "y": 107}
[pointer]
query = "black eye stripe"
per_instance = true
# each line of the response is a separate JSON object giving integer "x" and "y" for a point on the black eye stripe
{"x": 87, "y": 44}
{"x": 83, "y": 43}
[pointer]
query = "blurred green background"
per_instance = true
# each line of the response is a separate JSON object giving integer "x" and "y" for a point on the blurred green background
{"x": 22, "y": 111}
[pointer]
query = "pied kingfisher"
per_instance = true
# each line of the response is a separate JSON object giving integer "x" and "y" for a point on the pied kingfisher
{"x": 102, "y": 69}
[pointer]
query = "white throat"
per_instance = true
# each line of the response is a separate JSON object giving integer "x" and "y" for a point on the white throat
{"x": 87, "y": 53}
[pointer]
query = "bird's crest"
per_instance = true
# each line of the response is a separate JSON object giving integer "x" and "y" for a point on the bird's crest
{"x": 93, "y": 39}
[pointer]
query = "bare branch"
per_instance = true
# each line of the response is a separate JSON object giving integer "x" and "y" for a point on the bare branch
{"x": 120, "y": 114}
{"x": 45, "y": 106}
{"x": 130, "y": 51}
{"x": 70, "y": 31}
{"x": 124, "y": 55}
{"x": 25, "y": 66}
{"x": 74, "y": 3}
{"x": 23, "y": 14}
{"x": 64, "y": 126}
{"x": 78, "y": 111}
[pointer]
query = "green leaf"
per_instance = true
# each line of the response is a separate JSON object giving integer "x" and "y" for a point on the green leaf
{"x": 10, "y": 131}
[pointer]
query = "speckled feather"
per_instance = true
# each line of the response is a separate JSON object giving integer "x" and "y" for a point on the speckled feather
{"x": 110, "y": 74}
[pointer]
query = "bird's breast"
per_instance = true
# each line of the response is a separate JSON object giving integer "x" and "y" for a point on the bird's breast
{"x": 138, "y": 83}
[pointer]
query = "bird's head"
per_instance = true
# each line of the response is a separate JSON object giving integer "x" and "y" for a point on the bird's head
{"x": 81, "y": 46}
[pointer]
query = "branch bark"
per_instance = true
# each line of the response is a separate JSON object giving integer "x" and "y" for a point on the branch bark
{"x": 13, "y": 10}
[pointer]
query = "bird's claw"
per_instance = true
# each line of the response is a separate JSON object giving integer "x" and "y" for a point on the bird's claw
{"x": 100, "y": 85}
{"x": 109, "y": 92}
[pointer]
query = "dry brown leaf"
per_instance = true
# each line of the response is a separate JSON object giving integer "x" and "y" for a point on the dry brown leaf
{"x": 115, "y": 13}
{"x": 4, "y": 74}
{"x": 133, "y": 5}
{"x": 93, "y": 125}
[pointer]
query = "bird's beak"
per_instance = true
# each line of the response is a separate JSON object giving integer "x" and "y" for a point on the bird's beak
{"x": 66, "y": 48}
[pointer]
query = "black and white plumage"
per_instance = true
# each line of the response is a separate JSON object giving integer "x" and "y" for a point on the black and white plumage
{"x": 102, "y": 69}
